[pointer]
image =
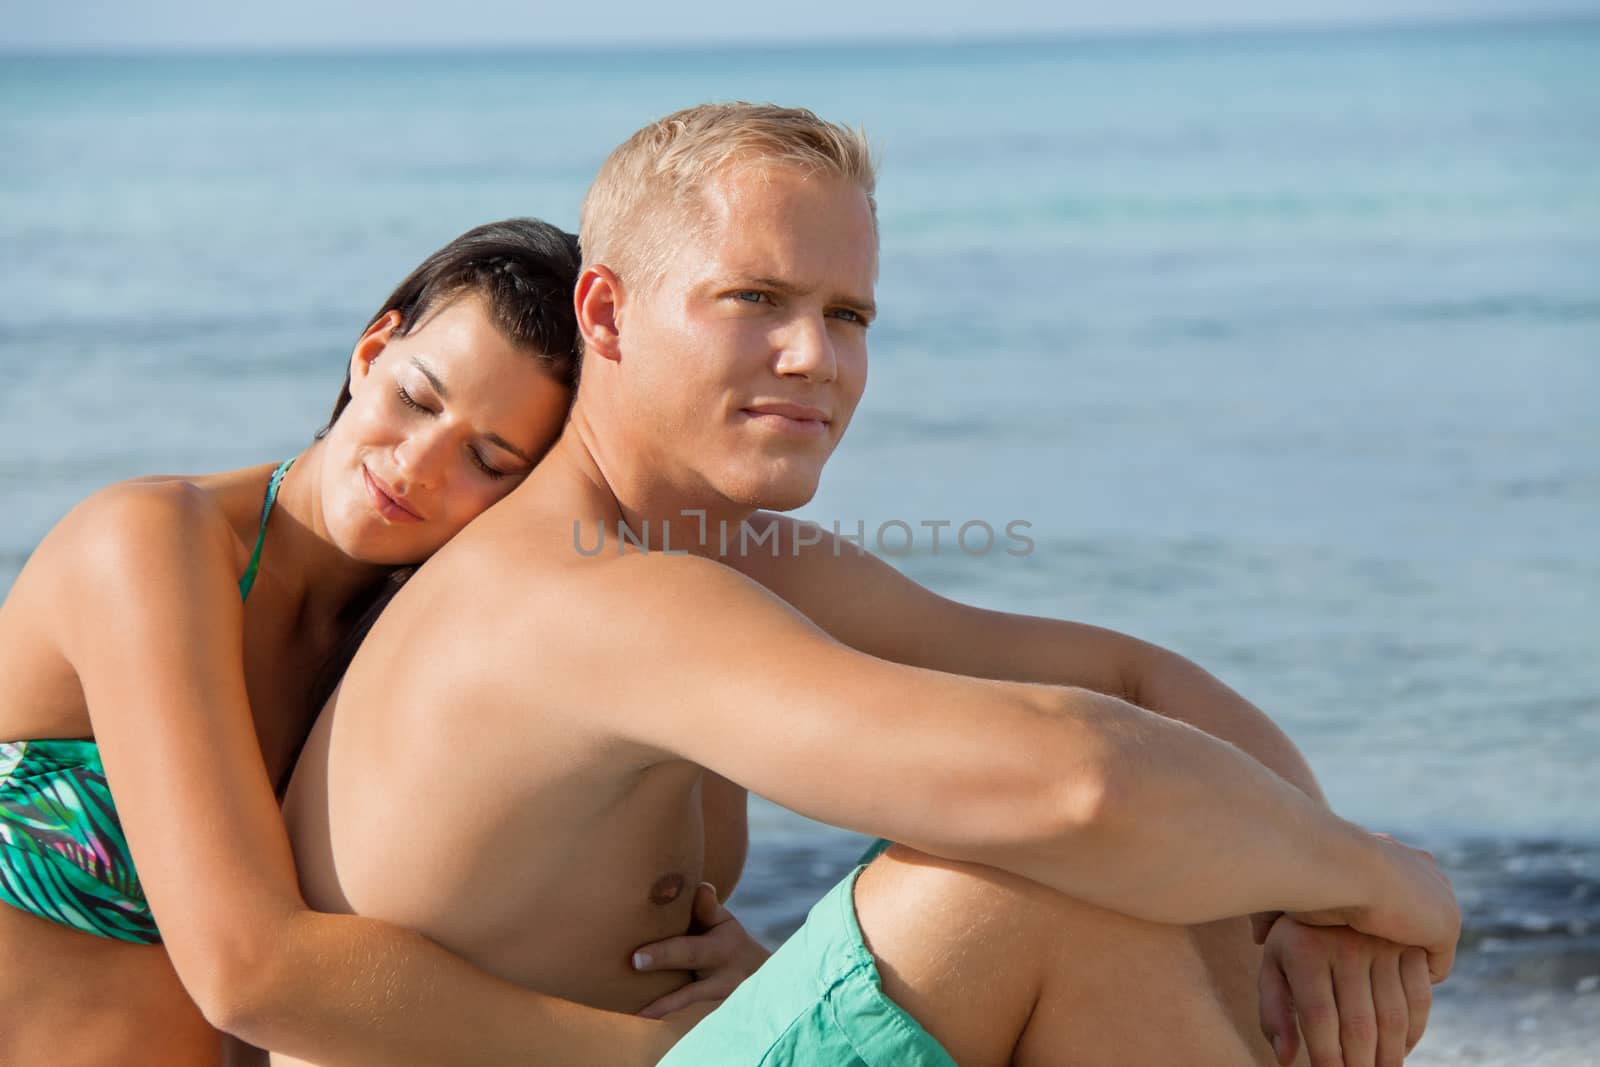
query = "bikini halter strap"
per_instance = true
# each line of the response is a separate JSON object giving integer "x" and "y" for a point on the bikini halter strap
{"x": 249, "y": 578}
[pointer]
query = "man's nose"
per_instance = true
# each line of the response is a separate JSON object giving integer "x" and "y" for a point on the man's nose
{"x": 806, "y": 350}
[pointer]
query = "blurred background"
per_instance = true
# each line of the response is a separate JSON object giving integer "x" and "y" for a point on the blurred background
{"x": 1279, "y": 326}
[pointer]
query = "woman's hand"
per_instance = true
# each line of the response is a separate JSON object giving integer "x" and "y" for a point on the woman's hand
{"x": 1360, "y": 1001}
{"x": 717, "y": 951}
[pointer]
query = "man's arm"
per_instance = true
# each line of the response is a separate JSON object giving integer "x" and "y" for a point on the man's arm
{"x": 1082, "y": 792}
{"x": 860, "y": 600}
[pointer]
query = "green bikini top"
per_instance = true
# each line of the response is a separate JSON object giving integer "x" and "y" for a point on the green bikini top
{"x": 249, "y": 578}
{"x": 63, "y": 855}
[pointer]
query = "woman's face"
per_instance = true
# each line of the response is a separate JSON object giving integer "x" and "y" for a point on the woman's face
{"x": 441, "y": 423}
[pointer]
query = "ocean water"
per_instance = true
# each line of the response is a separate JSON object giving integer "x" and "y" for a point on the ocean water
{"x": 1285, "y": 347}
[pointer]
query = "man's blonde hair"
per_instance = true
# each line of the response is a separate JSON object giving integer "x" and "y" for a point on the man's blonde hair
{"x": 648, "y": 192}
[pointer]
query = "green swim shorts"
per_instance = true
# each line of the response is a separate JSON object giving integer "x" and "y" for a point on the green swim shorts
{"x": 818, "y": 1002}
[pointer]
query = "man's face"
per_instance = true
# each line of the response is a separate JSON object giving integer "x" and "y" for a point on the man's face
{"x": 750, "y": 354}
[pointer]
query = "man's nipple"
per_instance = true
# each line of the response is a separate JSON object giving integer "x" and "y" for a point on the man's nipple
{"x": 666, "y": 889}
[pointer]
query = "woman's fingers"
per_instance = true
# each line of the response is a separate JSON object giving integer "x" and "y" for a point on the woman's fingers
{"x": 690, "y": 952}
{"x": 708, "y": 910}
{"x": 718, "y": 942}
{"x": 715, "y": 988}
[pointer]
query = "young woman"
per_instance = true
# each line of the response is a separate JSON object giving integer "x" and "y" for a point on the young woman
{"x": 159, "y": 651}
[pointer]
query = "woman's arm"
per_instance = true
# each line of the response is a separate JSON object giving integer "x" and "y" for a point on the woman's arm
{"x": 151, "y": 620}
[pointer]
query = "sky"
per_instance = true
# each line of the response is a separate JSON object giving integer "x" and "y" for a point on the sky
{"x": 358, "y": 25}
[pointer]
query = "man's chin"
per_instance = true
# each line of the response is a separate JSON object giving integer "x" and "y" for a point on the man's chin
{"x": 783, "y": 495}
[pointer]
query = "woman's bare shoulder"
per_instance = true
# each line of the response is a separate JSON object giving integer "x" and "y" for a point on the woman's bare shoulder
{"x": 129, "y": 524}
{"x": 92, "y": 577}
{"x": 143, "y": 509}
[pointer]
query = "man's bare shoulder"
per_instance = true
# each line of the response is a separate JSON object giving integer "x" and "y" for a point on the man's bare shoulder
{"x": 808, "y": 565}
{"x": 789, "y": 536}
{"x": 529, "y": 562}
{"x": 504, "y": 644}
{"x": 505, "y": 598}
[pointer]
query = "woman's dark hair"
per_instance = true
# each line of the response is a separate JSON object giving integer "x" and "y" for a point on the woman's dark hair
{"x": 357, "y": 621}
{"x": 522, "y": 269}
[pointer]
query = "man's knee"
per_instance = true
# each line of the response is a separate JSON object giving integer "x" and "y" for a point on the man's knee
{"x": 958, "y": 946}
{"x": 905, "y": 888}
{"x": 1054, "y": 971}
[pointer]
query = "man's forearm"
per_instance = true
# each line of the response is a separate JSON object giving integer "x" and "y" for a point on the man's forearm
{"x": 863, "y": 602}
{"x": 1190, "y": 829}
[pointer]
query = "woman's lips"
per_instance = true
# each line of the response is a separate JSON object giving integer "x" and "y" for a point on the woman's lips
{"x": 388, "y": 505}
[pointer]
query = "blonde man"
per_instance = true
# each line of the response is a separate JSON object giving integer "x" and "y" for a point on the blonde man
{"x": 1075, "y": 866}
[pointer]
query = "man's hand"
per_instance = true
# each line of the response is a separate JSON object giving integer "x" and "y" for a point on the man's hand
{"x": 717, "y": 951}
{"x": 1360, "y": 1001}
{"x": 1414, "y": 905}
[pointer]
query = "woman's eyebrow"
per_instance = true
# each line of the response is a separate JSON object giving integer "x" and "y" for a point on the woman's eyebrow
{"x": 444, "y": 394}
{"x": 500, "y": 442}
{"x": 433, "y": 379}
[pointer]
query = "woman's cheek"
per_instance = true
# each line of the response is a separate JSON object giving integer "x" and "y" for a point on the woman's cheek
{"x": 475, "y": 503}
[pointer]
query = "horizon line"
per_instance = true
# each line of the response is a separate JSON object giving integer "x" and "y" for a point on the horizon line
{"x": 1130, "y": 34}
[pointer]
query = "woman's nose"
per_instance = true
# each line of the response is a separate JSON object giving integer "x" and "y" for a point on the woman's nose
{"x": 422, "y": 459}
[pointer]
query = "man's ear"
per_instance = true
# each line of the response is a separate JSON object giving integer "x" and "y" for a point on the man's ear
{"x": 371, "y": 345}
{"x": 598, "y": 303}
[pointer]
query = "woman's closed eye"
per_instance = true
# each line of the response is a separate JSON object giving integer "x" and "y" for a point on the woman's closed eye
{"x": 410, "y": 401}
{"x": 483, "y": 465}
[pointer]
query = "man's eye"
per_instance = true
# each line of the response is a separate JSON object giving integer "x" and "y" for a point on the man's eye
{"x": 751, "y": 296}
{"x": 848, "y": 315}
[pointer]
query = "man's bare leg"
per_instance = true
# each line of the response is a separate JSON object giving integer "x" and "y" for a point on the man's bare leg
{"x": 1001, "y": 970}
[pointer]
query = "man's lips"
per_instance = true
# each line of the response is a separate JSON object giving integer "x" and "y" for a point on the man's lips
{"x": 789, "y": 417}
{"x": 389, "y": 504}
